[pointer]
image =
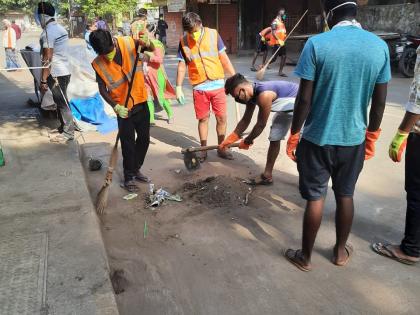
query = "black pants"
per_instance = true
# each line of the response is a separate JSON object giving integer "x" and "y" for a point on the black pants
{"x": 411, "y": 242}
{"x": 59, "y": 93}
{"x": 134, "y": 149}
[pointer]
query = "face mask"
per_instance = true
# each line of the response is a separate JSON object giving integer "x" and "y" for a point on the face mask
{"x": 111, "y": 55}
{"x": 284, "y": 16}
{"x": 43, "y": 19}
{"x": 196, "y": 35}
{"x": 331, "y": 12}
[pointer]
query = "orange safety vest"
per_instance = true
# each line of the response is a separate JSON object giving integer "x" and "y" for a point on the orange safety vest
{"x": 280, "y": 32}
{"x": 117, "y": 77}
{"x": 202, "y": 57}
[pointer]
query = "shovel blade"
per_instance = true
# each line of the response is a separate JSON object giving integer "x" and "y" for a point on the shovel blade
{"x": 191, "y": 161}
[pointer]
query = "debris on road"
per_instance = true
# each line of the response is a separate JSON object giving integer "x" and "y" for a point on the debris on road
{"x": 145, "y": 229}
{"x": 130, "y": 196}
{"x": 95, "y": 164}
{"x": 118, "y": 280}
{"x": 157, "y": 197}
{"x": 219, "y": 191}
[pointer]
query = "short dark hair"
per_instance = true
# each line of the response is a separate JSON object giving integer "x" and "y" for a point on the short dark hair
{"x": 233, "y": 82}
{"x": 190, "y": 20}
{"x": 46, "y": 8}
{"x": 161, "y": 15}
{"x": 151, "y": 27}
{"x": 101, "y": 41}
{"x": 348, "y": 10}
{"x": 142, "y": 13}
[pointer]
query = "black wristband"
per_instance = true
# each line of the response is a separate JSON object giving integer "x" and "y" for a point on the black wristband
{"x": 44, "y": 82}
{"x": 246, "y": 141}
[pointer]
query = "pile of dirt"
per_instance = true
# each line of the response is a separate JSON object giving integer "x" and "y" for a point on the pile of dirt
{"x": 218, "y": 191}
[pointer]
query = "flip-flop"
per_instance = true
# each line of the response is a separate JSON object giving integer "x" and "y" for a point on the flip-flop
{"x": 260, "y": 180}
{"x": 142, "y": 178}
{"x": 130, "y": 186}
{"x": 294, "y": 256}
{"x": 253, "y": 69}
{"x": 349, "y": 249}
{"x": 382, "y": 249}
{"x": 60, "y": 138}
{"x": 283, "y": 75}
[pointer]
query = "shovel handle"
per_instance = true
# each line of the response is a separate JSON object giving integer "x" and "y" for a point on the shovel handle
{"x": 207, "y": 148}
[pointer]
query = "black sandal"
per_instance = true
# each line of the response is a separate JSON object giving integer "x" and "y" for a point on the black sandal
{"x": 295, "y": 257}
{"x": 130, "y": 186}
{"x": 383, "y": 250}
{"x": 260, "y": 180}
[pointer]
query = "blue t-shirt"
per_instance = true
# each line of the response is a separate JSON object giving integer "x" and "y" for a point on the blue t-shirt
{"x": 208, "y": 85}
{"x": 283, "y": 89}
{"x": 345, "y": 64}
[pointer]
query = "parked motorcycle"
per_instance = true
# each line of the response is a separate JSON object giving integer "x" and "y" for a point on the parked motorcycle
{"x": 406, "y": 52}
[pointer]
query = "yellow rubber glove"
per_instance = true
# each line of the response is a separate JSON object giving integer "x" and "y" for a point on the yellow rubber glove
{"x": 147, "y": 56}
{"x": 121, "y": 111}
{"x": 280, "y": 42}
{"x": 397, "y": 146}
{"x": 180, "y": 97}
{"x": 263, "y": 39}
{"x": 144, "y": 40}
{"x": 232, "y": 138}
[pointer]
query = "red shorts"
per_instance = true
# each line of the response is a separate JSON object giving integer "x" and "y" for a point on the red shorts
{"x": 203, "y": 99}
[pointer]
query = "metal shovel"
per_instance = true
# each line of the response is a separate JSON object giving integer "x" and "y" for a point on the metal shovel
{"x": 192, "y": 161}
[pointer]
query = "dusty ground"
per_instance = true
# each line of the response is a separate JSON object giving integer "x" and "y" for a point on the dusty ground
{"x": 206, "y": 258}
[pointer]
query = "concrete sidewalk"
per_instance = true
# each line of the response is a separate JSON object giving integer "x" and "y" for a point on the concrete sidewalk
{"x": 52, "y": 257}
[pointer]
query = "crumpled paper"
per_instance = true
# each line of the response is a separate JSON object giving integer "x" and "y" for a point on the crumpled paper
{"x": 156, "y": 198}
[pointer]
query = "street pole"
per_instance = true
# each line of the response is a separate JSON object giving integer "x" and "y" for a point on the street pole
{"x": 70, "y": 21}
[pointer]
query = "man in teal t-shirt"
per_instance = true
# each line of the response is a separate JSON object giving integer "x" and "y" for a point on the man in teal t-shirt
{"x": 341, "y": 71}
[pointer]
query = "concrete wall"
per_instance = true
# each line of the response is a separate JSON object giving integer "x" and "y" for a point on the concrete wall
{"x": 400, "y": 18}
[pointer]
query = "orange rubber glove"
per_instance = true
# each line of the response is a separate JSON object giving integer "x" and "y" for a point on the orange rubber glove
{"x": 292, "y": 144}
{"x": 371, "y": 138}
{"x": 397, "y": 146}
{"x": 243, "y": 145}
{"x": 232, "y": 138}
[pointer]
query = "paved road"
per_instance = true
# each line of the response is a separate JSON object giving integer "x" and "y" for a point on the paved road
{"x": 199, "y": 260}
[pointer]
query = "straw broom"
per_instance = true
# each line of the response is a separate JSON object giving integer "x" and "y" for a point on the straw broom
{"x": 102, "y": 197}
{"x": 261, "y": 72}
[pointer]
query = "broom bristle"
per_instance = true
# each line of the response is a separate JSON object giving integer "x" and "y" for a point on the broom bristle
{"x": 102, "y": 199}
{"x": 260, "y": 74}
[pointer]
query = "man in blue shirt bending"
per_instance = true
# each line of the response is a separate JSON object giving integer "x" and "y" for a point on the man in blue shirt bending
{"x": 341, "y": 71}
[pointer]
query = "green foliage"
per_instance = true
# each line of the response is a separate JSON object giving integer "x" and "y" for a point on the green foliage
{"x": 18, "y": 5}
{"x": 103, "y": 7}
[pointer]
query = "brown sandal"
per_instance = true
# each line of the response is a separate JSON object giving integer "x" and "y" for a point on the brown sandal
{"x": 349, "y": 249}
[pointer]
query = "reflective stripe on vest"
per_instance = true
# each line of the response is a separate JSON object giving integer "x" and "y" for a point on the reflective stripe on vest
{"x": 214, "y": 52}
{"x": 202, "y": 57}
{"x": 116, "y": 77}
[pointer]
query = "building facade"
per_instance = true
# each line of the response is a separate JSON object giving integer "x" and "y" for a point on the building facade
{"x": 238, "y": 21}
